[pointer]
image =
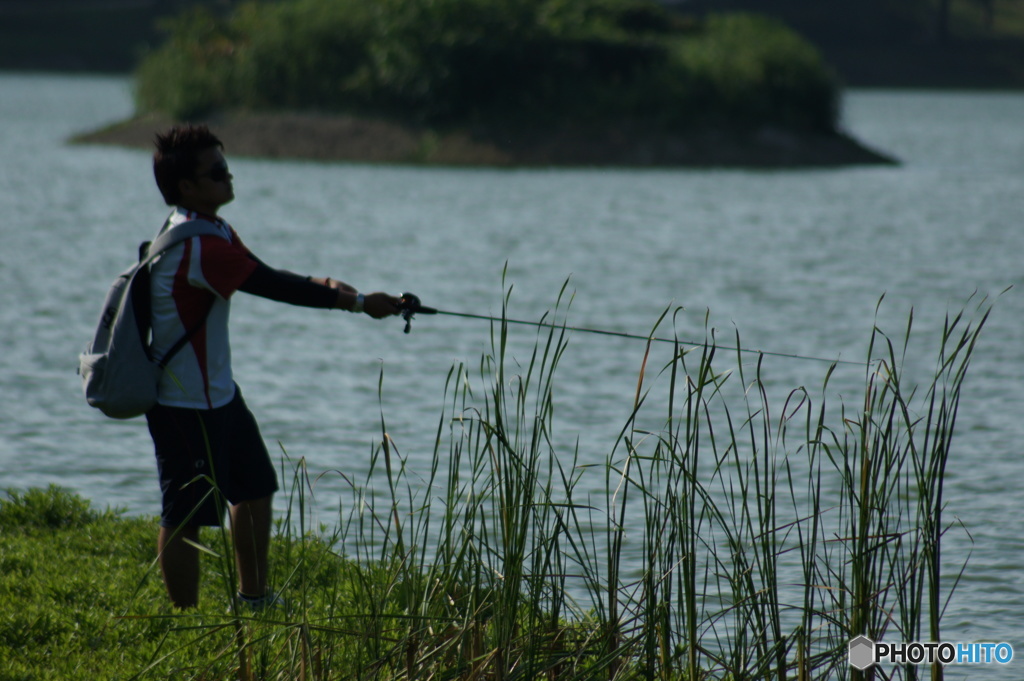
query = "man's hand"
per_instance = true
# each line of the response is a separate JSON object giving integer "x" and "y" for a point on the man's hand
{"x": 379, "y": 305}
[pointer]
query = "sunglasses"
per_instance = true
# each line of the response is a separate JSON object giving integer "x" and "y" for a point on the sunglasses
{"x": 218, "y": 173}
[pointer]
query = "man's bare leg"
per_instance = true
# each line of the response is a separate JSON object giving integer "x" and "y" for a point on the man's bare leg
{"x": 250, "y": 529}
{"x": 179, "y": 563}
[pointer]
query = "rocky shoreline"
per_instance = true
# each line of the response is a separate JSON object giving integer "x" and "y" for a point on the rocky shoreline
{"x": 365, "y": 140}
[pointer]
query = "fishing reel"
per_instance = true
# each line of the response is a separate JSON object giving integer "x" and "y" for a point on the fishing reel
{"x": 410, "y": 305}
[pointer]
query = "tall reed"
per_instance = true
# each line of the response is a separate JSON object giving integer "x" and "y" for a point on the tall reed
{"x": 743, "y": 536}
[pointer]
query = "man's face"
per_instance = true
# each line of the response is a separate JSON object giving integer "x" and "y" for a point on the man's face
{"x": 210, "y": 186}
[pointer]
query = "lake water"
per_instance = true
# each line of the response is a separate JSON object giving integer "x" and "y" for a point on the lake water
{"x": 796, "y": 261}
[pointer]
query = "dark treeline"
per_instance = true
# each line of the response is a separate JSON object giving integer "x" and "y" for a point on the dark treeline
{"x": 985, "y": 37}
{"x": 905, "y": 43}
{"x": 860, "y": 21}
{"x": 108, "y": 36}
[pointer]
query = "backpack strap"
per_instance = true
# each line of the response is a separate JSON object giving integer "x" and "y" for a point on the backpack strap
{"x": 177, "y": 234}
{"x": 167, "y": 239}
{"x": 169, "y": 355}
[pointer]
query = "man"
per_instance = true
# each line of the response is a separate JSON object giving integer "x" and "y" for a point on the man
{"x": 202, "y": 431}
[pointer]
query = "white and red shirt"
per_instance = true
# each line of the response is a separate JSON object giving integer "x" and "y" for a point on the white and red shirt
{"x": 195, "y": 276}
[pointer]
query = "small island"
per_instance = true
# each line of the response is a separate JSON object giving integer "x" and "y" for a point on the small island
{"x": 325, "y": 137}
{"x": 473, "y": 83}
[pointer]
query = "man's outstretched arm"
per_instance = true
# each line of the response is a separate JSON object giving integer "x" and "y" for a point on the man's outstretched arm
{"x": 294, "y": 289}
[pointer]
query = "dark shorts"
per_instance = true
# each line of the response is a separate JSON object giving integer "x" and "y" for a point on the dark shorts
{"x": 205, "y": 457}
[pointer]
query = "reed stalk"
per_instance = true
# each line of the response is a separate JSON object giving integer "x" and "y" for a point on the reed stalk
{"x": 742, "y": 536}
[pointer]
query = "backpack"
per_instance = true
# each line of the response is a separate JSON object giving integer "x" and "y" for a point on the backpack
{"x": 120, "y": 376}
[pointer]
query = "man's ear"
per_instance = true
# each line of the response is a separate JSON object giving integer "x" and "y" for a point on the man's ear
{"x": 186, "y": 187}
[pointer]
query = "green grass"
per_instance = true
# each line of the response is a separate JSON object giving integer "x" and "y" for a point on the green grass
{"x": 736, "y": 536}
{"x": 66, "y": 572}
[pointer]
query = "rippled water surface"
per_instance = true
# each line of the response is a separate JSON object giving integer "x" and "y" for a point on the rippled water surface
{"x": 796, "y": 261}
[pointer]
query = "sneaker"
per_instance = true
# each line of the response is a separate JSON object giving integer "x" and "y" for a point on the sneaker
{"x": 260, "y": 603}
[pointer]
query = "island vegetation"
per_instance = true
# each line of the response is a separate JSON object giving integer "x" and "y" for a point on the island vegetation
{"x": 498, "y": 82}
{"x": 521, "y": 62}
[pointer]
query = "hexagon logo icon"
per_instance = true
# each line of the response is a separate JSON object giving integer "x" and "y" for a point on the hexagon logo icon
{"x": 862, "y": 652}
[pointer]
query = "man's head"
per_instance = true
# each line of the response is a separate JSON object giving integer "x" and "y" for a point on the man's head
{"x": 190, "y": 169}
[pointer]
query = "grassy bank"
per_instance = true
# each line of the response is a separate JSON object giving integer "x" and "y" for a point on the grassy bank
{"x": 731, "y": 535}
{"x": 66, "y": 573}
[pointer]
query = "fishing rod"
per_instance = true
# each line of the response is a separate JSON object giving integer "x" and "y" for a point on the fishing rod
{"x": 412, "y": 306}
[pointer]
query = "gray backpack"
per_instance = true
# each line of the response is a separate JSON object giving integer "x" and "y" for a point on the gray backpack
{"x": 120, "y": 376}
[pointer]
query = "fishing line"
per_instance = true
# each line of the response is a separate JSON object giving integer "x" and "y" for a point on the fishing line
{"x": 411, "y": 305}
